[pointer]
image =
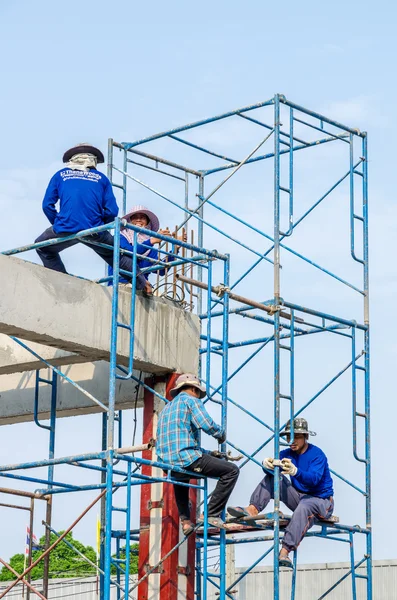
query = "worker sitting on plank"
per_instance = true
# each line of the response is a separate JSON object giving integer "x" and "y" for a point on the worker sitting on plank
{"x": 145, "y": 218}
{"x": 309, "y": 493}
{"x": 177, "y": 444}
{"x": 86, "y": 201}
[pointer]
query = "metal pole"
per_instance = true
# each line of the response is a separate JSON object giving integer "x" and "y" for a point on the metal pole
{"x": 31, "y": 525}
{"x": 111, "y": 411}
{"x": 367, "y": 373}
{"x": 276, "y": 236}
{"x": 110, "y": 160}
{"x": 51, "y": 454}
{"x": 200, "y": 243}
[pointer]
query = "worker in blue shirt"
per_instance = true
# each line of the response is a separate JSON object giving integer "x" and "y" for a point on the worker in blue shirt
{"x": 140, "y": 216}
{"x": 177, "y": 444}
{"x": 86, "y": 200}
{"x": 309, "y": 493}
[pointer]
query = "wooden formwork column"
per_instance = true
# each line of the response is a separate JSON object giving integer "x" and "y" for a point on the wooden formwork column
{"x": 159, "y": 523}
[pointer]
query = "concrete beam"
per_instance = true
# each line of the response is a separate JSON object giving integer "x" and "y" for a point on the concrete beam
{"x": 15, "y": 359}
{"x": 74, "y": 315}
{"x": 17, "y": 393}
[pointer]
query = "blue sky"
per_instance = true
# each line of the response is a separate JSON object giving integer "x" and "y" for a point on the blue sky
{"x": 88, "y": 71}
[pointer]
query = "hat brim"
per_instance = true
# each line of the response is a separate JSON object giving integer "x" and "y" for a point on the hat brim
{"x": 175, "y": 391}
{"x": 154, "y": 223}
{"x": 86, "y": 149}
{"x": 285, "y": 433}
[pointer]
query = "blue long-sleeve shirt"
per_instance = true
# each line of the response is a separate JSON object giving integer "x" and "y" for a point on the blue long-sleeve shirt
{"x": 177, "y": 441}
{"x": 313, "y": 476}
{"x": 142, "y": 263}
{"x": 86, "y": 200}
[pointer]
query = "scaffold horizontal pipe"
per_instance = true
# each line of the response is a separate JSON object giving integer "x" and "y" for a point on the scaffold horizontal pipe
{"x": 201, "y": 149}
{"x": 325, "y": 316}
{"x": 321, "y": 117}
{"x": 157, "y": 159}
{"x": 21, "y": 493}
{"x": 129, "y": 145}
{"x": 271, "y": 155}
{"x": 297, "y": 333}
{"x": 17, "y": 506}
{"x": 135, "y": 162}
{"x": 242, "y": 299}
{"x": 329, "y": 535}
{"x": 67, "y": 238}
{"x": 67, "y": 486}
{"x": 54, "y": 461}
{"x": 82, "y": 465}
{"x": 342, "y": 137}
{"x": 166, "y": 238}
{"x": 133, "y": 449}
{"x": 283, "y": 133}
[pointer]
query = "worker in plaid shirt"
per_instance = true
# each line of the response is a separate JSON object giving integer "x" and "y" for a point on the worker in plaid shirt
{"x": 177, "y": 444}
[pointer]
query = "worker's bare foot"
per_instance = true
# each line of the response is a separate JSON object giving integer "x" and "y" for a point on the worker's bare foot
{"x": 252, "y": 510}
{"x": 239, "y": 511}
{"x": 187, "y": 526}
{"x": 283, "y": 553}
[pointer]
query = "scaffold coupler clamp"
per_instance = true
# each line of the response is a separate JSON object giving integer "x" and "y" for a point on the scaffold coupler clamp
{"x": 221, "y": 290}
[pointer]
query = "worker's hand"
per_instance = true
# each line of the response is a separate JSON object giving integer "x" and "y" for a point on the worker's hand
{"x": 165, "y": 232}
{"x": 221, "y": 438}
{"x": 268, "y": 463}
{"x": 288, "y": 467}
{"x": 182, "y": 237}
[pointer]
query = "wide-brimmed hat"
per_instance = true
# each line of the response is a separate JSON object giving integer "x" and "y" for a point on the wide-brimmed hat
{"x": 154, "y": 223}
{"x": 83, "y": 148}
{"x": 300, "y": 426}
{"x": 187, "y": 379}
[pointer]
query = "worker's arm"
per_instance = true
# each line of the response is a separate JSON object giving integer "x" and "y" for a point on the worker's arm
{"x": 110, "y": 208}
{"x": 313, "y": 476}
{"x": 202, "y": 420}
{"x": 51, "y": 197}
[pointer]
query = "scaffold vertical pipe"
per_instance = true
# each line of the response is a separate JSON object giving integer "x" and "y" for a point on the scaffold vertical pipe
{"x": 51, "y": 454}
{"x": 276, "y": 342}
{"x": 225, "y": 348}
{"x": 200, "y": 243}
{"x": 111, "y": 411}
{"x": 367, "y": 372}
{"x": 125, "y": 166}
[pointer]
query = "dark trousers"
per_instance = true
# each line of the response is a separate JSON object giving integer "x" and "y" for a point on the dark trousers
{"x": 50, "y": 254}
{"x": 216, "y": 468}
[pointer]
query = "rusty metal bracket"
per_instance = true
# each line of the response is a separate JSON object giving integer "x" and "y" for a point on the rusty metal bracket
{"x": 158, "y": 569}
{"x": 152, "y": 504}
{"x": 184, "y": 570}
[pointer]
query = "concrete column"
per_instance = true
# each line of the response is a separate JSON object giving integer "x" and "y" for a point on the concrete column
{"x": 160, "y": 528}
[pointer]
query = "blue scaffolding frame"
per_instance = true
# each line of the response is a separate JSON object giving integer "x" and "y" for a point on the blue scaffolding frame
{"x": 288, "y": 320}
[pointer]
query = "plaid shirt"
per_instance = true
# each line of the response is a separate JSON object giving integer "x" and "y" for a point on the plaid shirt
{"x": 178, "y": 427}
